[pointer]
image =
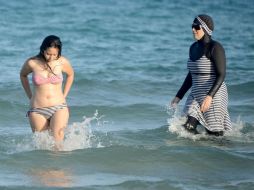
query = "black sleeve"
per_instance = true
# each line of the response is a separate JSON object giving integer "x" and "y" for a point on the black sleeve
{"x": 219, "y": 59}
{"x": 185, "y": 86}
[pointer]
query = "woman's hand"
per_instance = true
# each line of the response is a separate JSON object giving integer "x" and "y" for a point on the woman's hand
{"x": 175, "y": 101}
{"x": 206, "y": 103}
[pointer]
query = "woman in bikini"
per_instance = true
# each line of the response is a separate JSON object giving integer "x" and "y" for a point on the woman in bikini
{"x": 48, "y": 108}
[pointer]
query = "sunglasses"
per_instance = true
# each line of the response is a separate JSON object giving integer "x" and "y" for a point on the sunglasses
{"x": 196, "y": 26}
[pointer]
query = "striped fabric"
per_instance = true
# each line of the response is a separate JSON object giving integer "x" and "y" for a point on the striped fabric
{"x": 203, "y": 76}
{"x": 48, "y": 112}
{"x": 203, "y": 24}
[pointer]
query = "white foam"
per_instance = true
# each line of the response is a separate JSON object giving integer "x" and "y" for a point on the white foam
{"x": 175, "y": 122}
{"x": 78, "y": 135}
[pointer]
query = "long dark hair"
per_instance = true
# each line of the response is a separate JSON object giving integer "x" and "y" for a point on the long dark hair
{"x": 48, "y": 42}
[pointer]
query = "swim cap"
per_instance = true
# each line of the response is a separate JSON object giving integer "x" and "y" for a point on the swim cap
{"x": 206, "y": 23}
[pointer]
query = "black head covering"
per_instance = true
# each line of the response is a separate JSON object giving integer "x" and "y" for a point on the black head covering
{"x": 206, "y": 23}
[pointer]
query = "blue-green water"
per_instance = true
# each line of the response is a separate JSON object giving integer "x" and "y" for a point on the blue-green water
{"x": 129, "y": 59}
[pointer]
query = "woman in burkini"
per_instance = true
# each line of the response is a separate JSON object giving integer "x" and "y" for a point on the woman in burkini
{"x": 208, "y": 100}
{"x": 48, "y": 108}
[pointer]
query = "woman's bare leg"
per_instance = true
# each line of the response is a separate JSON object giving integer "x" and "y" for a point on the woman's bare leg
{"x": 38, "y": 122}
{"x": 58, "y": 123}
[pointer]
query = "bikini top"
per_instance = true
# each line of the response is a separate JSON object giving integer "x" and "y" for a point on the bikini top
{"x": 40, "y": 80}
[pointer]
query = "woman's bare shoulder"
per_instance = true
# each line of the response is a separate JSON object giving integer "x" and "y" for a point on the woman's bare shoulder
{"x": 32, "y": 61}
{"x": 64, "y": 60}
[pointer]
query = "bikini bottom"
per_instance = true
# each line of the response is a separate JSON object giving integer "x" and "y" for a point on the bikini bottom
{"x": 47, "y": 112}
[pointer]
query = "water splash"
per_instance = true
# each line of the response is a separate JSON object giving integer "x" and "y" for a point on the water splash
{"x": 78, "y": 135}
{"x": 176, "y": 120}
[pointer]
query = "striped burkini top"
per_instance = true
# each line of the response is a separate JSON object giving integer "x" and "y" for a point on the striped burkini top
{"x": 203, "y": 77}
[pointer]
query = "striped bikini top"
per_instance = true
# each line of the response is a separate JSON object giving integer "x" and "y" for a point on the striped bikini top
{"x": 40, "y": 80}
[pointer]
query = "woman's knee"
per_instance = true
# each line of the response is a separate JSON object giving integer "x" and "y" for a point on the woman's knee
{"x": 58, "y": 123}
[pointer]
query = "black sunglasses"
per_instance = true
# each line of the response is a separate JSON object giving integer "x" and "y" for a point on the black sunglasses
{"x": 196, "y": 26}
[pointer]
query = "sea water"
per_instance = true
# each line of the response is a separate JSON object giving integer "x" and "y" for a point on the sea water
{"x": 129, "y": 59}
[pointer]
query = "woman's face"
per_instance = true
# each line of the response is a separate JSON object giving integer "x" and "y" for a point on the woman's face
{"x": 51, "y": 54}
{"x": 197, "y": 31}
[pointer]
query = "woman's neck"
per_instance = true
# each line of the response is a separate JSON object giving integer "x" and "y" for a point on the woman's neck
{"x": 205, "y": 39}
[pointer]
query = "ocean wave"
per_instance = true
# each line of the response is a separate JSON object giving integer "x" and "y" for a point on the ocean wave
{"x": 89, "y": 135}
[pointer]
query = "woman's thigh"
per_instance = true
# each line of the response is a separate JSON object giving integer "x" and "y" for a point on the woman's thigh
{"x": 58, "y": 122}
{"x": 38, "y": 122}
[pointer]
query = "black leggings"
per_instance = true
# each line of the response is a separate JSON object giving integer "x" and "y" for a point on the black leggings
{"x": 191, "y": 125}
{"x": 192, "y": 121}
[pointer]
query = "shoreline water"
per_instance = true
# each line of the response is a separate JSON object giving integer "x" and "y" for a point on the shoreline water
{"x": 129, "y": 59}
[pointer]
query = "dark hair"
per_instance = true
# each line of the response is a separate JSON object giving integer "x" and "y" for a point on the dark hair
{"x": 48, "y": 42}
